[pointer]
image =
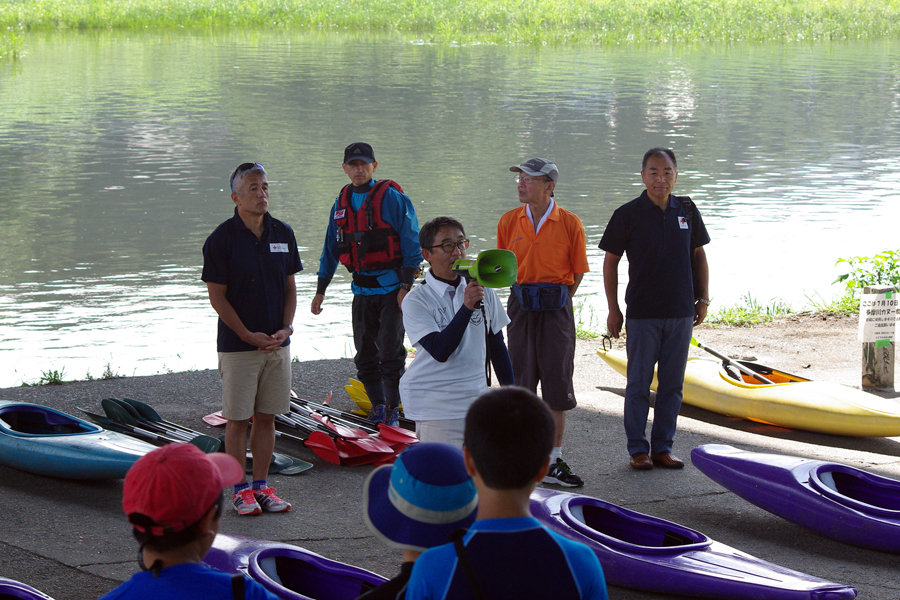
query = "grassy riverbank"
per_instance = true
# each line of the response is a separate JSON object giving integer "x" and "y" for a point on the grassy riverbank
{"x": 491, "y": 21}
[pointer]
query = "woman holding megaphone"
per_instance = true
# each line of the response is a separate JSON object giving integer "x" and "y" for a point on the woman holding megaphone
{"x": 455, "y": 321}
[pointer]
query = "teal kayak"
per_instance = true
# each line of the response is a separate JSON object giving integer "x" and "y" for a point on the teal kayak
{"x": 42, "y": 440}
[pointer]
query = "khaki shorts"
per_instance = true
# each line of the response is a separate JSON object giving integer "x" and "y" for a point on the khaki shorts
{"x": 255, "y": 382}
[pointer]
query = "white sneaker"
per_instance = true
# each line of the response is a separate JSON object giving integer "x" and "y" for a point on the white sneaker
{"x": 244, "y": 502}
{"x": 269, "y": 502}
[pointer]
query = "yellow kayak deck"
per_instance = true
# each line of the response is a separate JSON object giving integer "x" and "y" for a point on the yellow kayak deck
{"x": 790, "y": 401}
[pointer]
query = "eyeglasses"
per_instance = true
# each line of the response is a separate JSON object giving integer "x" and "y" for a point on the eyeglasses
{"x": 527, "y": 179}
{"x": 448, "y": 247}
{"x": 243, "y": 168}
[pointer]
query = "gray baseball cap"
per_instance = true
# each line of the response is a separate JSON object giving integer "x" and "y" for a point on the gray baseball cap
{"x": 537, "y": 167}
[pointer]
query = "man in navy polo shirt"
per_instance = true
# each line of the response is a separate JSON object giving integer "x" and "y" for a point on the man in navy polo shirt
{"x": 249, "y": 263}
{"x": 667, "y": 294}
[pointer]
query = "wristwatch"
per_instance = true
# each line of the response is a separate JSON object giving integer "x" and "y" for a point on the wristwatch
{"x": 703, "y": 300}
{"x": 406, "y": 286}
{"x": 289, "y": 326}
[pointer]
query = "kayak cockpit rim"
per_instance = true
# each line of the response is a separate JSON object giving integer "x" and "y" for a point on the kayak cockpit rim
{"x": 857, "y": 489}
{"x": 619, "y": 527}
{"x": 734, "y": 377}
{"x": 25, "y": 420}
{"x": 308, "y": 575}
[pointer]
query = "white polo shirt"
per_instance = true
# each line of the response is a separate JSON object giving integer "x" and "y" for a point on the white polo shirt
{"x": 432, "y": 390}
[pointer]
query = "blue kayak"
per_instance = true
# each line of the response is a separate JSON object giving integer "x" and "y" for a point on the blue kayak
{"x": 290, "y": 572}
{"x": 48, "y": 442}
{"x": 14, "y": 589}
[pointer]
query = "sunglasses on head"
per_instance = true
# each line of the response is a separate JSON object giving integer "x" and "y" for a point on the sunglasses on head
{"x": 243, "y": 168}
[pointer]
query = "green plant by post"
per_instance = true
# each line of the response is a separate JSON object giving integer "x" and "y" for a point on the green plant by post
{"x": 881, "y": 269}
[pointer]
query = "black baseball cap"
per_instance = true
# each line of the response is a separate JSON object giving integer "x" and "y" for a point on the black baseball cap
{"x": 359, "y": 151}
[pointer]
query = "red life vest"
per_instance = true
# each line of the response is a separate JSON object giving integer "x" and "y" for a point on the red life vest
{"x": 365, "y": 242}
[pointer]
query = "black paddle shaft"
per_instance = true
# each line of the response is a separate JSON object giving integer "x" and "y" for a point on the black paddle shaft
{"x": 729, "y": 361}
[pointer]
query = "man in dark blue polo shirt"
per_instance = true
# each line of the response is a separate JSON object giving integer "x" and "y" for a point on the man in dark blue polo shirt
{"x": 249, "y": 263}
{"x": 667, "y": 294}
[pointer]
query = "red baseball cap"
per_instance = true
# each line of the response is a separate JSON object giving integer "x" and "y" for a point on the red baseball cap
{"x": 175, "y": 485}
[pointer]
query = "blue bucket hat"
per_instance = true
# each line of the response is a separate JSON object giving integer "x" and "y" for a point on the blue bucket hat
{"x": 419, "y": 501}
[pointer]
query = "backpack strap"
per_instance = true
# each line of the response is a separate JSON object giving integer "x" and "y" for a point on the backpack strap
{"x": 237, "y": 586}
{"x": 688, "y": 205}
{"x": 463, "y": 556}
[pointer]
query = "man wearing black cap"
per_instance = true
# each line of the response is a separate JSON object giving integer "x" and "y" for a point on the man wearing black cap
{"x": 549, "y": 243}
{"x": 373, "y": 231}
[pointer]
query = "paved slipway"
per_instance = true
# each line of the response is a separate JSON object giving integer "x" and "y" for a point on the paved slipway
{"x": 71, "y": 540}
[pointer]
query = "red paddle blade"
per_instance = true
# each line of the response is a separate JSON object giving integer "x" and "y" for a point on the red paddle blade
{"x": 372, "y": 444}
{"x": 324, "y": 447}
{"x": 343, "y": 431}
{"x": 350, "y": 449}
{"x": 396, "y": 434}
{"x": 215, "y": 419}
{"x": 365, "y": 459}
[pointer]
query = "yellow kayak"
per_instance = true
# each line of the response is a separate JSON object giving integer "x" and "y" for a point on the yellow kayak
{"x": 790, "y": 401}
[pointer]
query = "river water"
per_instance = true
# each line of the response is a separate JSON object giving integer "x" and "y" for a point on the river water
{"x": 115, "y": 152}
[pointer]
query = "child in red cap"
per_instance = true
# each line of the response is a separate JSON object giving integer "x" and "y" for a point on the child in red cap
{"x": 173, "y": 499}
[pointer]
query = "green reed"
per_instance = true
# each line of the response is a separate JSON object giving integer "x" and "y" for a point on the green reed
{"x": 11, "y": 42}
{"x": 491, "y": 21}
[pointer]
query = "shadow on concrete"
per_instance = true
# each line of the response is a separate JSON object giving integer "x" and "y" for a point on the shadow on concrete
{"x": 886, "y": 446}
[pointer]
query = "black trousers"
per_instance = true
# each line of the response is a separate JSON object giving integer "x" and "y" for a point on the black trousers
{"x": 380, "y": 356}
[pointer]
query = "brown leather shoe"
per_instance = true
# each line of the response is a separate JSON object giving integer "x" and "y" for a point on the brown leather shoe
{"x": 641, "y": 462}
{"x": 667, "y": 460}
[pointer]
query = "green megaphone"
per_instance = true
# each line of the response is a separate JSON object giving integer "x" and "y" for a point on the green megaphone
{"x": 492, "y": 268}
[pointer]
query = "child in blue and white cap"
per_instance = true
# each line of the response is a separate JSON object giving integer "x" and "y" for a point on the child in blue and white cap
{"x": 416, "y": 504}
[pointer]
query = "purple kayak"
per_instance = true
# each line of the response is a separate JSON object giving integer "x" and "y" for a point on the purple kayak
{"x": 647, "y": 553}
{"x": 290, "y": 572}
{"x": 14, "y": 589}
{"x": 841, "y": 502}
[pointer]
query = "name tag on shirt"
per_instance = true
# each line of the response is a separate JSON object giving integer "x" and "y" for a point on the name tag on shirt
{"x": 682, "y": 222}
{"x": 278, "y": 248}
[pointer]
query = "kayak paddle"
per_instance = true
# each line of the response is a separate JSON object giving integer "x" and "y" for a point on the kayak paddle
{"x": 392, "y": 435}
{"x": 148, "y": 413}
{"x": 215, "y": 419}
{"x": 124, "y": 413}
{"x": 206, "y": 443}
{"x": 120, "y": 413}
{"x": 324, "y": 447}
{"x": 137, "y": 432}
{"x": 283, "y": 464}
{"x": 359, "y": 397}
{"x": 731, "y": 362}
{"x": 323, "y": 424}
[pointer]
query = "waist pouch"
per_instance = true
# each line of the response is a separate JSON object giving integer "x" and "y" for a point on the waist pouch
{"x": 541, "y": 296}
{"x": 367, "y": 281}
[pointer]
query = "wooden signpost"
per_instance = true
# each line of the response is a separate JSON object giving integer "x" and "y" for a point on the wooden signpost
{"x": 877, "y": 332}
